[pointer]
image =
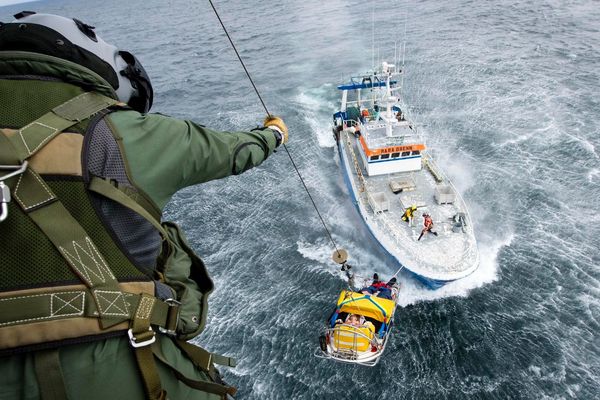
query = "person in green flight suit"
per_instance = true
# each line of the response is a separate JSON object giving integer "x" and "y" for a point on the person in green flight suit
{"x": 98, "y": 295}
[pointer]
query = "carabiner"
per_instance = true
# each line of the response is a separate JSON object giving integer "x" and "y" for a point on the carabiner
{"x": 4, "y": 200}
{"x": 4, "y": 190}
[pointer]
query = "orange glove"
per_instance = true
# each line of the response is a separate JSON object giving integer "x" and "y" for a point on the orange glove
{"x": 277, "y": 124}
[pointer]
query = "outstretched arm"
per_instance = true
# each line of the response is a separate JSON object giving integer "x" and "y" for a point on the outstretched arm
{"x": 165, "y": 154}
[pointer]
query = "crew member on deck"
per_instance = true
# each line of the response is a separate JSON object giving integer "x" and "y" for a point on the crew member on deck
{"x": 364, "y": 116}
{"x": 376, "y": 115}
{"x": 427, "y": 225}
{"x": 409, "y": 214}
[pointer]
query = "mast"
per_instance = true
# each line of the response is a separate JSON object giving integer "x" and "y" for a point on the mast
{"x": 373, "y": 34}
{"x": 387, "y": 70}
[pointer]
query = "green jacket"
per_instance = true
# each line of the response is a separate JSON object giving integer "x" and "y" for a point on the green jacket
{"x": 164, "y": 154}
{"x": 161, "y": 155}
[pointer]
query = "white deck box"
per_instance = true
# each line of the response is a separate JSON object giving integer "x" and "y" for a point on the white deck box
{"x": 444, "y": 195}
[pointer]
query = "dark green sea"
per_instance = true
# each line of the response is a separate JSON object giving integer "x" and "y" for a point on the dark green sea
{"x": 507, "y": 94}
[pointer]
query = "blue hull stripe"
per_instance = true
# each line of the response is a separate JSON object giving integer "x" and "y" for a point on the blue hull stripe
{"x": 364, "y": 85}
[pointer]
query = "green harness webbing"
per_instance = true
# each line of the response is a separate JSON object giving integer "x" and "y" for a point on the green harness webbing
{"x": 66, "y": 304}
{"x": 49, "y": 375}
{"x": 37, "y": 200}
{"x": 106, "y": 188}
{"x": 109, "y": 304}
{"x": 205, "y": 361}
{"x": 33, "y": 136}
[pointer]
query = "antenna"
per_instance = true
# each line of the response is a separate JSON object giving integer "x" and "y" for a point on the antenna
{"x": 404, "y": 47}
{"x": 396, "y": 56}
{"x": 373, "y": 34}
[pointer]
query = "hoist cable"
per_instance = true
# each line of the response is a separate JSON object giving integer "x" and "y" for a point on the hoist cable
{"x": 269, "y": 114}
{"x": 312, "y": 200}
{"x": 239, "y": 58}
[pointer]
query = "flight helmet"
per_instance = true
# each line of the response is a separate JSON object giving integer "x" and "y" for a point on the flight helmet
{"x": 75, "y": 41}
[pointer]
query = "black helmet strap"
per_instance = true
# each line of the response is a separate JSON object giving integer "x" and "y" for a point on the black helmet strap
{"x": 135, "y": 72}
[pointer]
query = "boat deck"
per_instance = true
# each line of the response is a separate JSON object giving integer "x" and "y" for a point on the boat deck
{"x": 452, "y": 251}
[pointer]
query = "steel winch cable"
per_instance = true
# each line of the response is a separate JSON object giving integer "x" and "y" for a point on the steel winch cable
{"x": 269, "y": 114}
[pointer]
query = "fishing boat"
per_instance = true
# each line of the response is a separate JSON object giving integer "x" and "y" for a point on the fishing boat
{"x": 358, "y": 329}
{"x": 396, "y": 185}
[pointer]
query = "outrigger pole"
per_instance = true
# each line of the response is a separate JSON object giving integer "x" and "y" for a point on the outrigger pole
{"x": 340, "y": 252}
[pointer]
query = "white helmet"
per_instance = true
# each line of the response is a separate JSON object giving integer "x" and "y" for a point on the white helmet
{"x": 76, "y": 41}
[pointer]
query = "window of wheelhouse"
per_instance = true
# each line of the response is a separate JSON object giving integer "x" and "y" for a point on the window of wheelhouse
{"x": 405, "y": 153}
{"x": 416, "y": 152}
{"x": 385, "y": 156}
{"x": 374, "y": 158}
{"x": 395, "y": 155}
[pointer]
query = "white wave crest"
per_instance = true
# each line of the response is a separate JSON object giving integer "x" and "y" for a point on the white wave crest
{"x": 314, "y": 105}
{"x": 413, "y": 292}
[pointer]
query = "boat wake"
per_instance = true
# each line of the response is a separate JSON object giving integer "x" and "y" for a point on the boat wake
{"x": 321, "y": 253}
{"x": 411, "y": 291}
{"x": 317, "y": 112}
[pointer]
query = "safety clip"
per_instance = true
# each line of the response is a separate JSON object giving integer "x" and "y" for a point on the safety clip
{"x": 134, "y": 341}
{"x": 4, "y": 190}
{"x": 173, "y": 315}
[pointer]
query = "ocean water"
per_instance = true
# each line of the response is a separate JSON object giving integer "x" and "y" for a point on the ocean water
{"x": 507, "y": 93}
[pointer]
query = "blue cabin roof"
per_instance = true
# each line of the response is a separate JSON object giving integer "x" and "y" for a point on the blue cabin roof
{"x": 363, "y": 85}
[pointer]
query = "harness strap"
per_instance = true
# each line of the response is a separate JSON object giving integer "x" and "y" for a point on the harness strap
{"x": 141, "y": 200}
{"x": 36, "y": 198}
{"x": 205, "y": 386}
{"x": 202, "y": 358}
{"x": 141, "y": 337}
{"x": 105, "y": 188}
{"x": 42, "y": 205}
{"x": 49, "y": 375}
{"x": 217, "y": 386}
{"x": 66, "y": 304}
{"x": 33, "y": 136}
{"x": 149, "y": 372}
{"x": 74, "y": 245}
